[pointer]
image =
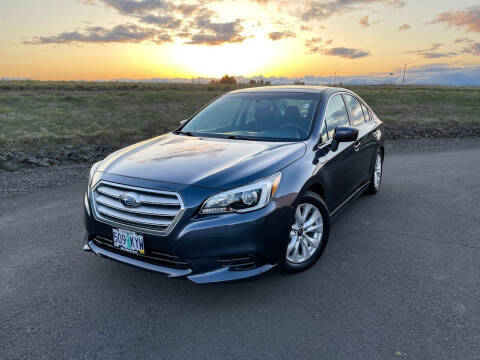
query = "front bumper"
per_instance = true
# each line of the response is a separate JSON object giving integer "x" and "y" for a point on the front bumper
{"x": 211, "y": 245}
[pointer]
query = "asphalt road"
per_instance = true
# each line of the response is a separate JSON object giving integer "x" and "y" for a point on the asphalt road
{"x": 400, "y": 279}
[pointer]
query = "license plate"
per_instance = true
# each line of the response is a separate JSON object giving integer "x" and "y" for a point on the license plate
{"x": 128, "y": 241}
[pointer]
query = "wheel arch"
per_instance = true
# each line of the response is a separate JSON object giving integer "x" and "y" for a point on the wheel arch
{"x": 318, "y": 189}
{"x": 314, "y": 186}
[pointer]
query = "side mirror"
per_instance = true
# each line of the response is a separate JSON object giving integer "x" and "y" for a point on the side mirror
{"x": 183, "y": 122}
{"x": 343, "y": 134}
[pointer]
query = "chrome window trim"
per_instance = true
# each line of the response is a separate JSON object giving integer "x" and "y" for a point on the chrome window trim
{"x": 136, "y": 228}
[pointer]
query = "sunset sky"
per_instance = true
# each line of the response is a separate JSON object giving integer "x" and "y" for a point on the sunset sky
{"x": 111, "y": 39}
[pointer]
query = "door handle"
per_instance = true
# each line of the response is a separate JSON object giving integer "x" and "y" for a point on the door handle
{"x": 356, "y": 147}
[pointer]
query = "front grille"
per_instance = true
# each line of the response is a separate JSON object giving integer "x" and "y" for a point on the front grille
{"x": 151, "y": 256}
{"x": 156, "y": 211}
{"x": 241, "y": 263}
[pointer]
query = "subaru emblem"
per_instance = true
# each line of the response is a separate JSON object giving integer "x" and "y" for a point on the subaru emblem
{"x": 129, "y": 200}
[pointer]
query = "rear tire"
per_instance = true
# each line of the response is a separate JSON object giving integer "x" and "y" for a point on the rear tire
{"x": 377, "y": 173}
{"x": 308, "y": 235}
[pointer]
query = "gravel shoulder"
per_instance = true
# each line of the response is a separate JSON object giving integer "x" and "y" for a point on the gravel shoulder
{"x": 32, "y": 179}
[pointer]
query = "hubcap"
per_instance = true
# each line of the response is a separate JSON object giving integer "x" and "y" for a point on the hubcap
{"x": 306, "y": 234}
{"x": 377, "y": 175}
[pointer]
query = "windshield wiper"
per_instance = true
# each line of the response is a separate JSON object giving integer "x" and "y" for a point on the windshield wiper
{"x": 238, "y": 137}
{"x": 187, "y": 133}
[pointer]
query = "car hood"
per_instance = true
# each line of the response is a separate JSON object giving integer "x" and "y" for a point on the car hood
{"x": 208, "y": 162}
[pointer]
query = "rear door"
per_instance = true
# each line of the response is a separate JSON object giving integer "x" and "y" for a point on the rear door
{"x": 361, "y": 154}
{"x": 373, "y": 134}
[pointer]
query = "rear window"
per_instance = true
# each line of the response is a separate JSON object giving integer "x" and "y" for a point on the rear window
{"x": 366, "y": 113}
{"x": 355, "y": 110}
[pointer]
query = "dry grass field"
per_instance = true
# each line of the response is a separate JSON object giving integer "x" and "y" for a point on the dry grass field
{"x": 37, "y": 114}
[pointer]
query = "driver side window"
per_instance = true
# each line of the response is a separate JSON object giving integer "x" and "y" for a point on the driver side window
{"x": 336, "y": 114}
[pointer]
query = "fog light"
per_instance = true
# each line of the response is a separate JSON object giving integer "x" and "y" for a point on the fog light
{"x": 249, "y": 197}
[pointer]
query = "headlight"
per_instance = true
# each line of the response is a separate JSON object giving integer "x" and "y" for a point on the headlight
{"x": 246, "y": 198}
{"x": 93, "y": 179}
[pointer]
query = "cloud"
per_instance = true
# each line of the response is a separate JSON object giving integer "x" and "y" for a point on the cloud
{"x": 195, "y": 23}
{"x": 168, "y": 22}
{"x": 473, "y": 49}
{"x": 345, "y": 52}
{"x": 215, "y": 39}
{"x": 431, "y": 52}
{"x": 278, "y": 35}
{"x": 404, "y": 27}
{"x": 188, "y": 9}
{"x": 476, "y": 49}
{"x": 444, "y": 74}
{"x": 320, "y": 10}
{"x": 313, "y": 41}
{"x": 468, "y": 18}
{"x": 316, "y": 44}
{"x": 435, "y": 55}
{"x": 119, "y": 34}
{"x": 463, "y": 40}
{"x": 364, "y": 21}
{"x": 215, "y": 33}
{"x": 129, "y": 7}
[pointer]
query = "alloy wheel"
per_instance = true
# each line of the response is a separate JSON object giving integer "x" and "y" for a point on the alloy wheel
{"x": 377, "y": 174}
{"x": 305, "y": 234}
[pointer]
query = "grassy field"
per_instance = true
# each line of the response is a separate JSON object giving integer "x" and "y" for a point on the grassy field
{"x": 55, "y": 113}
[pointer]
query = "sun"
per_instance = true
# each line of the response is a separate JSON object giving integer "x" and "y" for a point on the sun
{"x": 248, "y": 58}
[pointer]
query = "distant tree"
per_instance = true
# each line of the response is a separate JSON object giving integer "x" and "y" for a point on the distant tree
{"x": 268, "y": 83}
{"x": 298, "y": 82}
{"x": 227, "y": 80}
{"x": 252, "y": 82}
{"x": 260, "y": 82}
{"x": 213, "y": 81}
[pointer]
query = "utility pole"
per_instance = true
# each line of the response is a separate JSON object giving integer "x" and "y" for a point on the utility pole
{"x": 404, "y": 71}
{"x": 334, "y": 78}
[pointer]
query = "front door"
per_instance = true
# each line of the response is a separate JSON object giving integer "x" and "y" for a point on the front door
{"x": 342, "y": 176}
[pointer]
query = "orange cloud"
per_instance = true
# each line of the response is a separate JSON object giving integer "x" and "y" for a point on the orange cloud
{"x": 404, "y": 27}
{"x": 469, "y": 18}
{"x": 278, "y": 35}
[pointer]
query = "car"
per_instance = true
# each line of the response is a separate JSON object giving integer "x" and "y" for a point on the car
{"x": 248, "y": 183}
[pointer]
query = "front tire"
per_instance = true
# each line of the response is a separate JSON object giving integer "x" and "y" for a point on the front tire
{"x": 308, "y": 235}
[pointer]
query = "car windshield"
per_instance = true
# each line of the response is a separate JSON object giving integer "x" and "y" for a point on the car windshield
{"x": 257, "y": 116}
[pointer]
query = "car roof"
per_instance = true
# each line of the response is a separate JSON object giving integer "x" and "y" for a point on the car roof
{"x": 312, "y": 89}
